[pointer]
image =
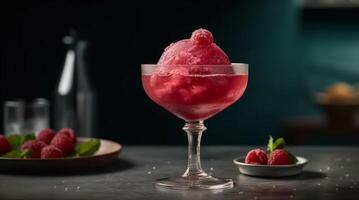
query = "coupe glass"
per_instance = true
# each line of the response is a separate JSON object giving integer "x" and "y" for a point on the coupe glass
{"x": 195, "y": 93}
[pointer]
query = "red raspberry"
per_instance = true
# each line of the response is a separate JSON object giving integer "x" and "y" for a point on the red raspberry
{"x": 278, "y": 157}
{"x": 51, "y": 152}
{"x": 256, "y": 156}
{"x": 35, "y": 146}
{"x": 4, "y": 145}
{"x": 46, "y": 135}
{"x": 63, "y": 142}
{"x": 69, "y": 133}
{"x": 202, "y": 36}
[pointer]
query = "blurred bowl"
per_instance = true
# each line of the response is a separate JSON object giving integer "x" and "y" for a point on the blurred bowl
{"x": 340, "y": 114}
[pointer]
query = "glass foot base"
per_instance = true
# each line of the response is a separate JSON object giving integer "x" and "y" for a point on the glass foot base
{"x": 195, "y": 183}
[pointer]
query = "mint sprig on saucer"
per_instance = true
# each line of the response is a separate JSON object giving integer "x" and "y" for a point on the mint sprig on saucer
{"x": 275, "y": 144}
{"x": 279, "y": 143}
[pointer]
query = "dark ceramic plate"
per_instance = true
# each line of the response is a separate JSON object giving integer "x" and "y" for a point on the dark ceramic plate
{"x": 107, "y": 154}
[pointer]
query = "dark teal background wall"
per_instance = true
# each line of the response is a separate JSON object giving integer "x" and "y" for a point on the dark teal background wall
{"x": 292, "y": 53}
{"x": 286, "y": 50}
{"x": 331, "y": 44}
{"x": 267, "y": 35}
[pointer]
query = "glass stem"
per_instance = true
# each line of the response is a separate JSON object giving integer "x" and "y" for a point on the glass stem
{"x": 194, "y": 131}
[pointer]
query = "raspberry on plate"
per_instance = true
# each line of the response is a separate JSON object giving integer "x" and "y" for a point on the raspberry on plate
{"x": 63, "y": 142}
{"x": 256, "y": 156}
{"x": 51, "y": 152}
{"x": 69, "y": 133}
{"x": 35, "y": 146}
{"x": 4, "y": 145}
{"x": 46, "y": 135}
{"x": 278, "y": 157}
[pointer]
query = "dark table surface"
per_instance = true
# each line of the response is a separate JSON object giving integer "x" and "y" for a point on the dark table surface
{"x": 332, "y": 173}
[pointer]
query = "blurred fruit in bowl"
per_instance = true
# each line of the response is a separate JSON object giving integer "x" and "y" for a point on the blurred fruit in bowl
{"x": 340, "y": 102}
{"x": 339, "y": 93}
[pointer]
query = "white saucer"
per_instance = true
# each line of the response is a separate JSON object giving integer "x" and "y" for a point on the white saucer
{"x": 270, "y": 170}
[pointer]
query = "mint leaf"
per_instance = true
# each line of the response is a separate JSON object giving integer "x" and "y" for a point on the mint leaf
{"x": 270, "y": 144}
{"x": 277, "y": 144}
{"x": 18, "y": 154}
{"x": 292, "y": 158}
{"x": 87, "y": 148}
{"x": 26, "y": 137}
{"x": 17, "y": 140}
{"x": 12, "y": 154}
{"x": 26, "y": 153}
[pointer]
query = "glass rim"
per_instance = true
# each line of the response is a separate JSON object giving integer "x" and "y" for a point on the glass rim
{"x": 27, "y": 103}
{"x": 239, "y": 68}
{"x": 229, "y": 65}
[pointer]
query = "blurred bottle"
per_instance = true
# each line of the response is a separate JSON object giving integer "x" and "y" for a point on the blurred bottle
{"x": 74, "y": 96}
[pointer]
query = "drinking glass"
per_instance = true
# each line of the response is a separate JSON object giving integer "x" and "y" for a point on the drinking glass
{"x": 194, "y": 93}
{"x": 22, "y": 117}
